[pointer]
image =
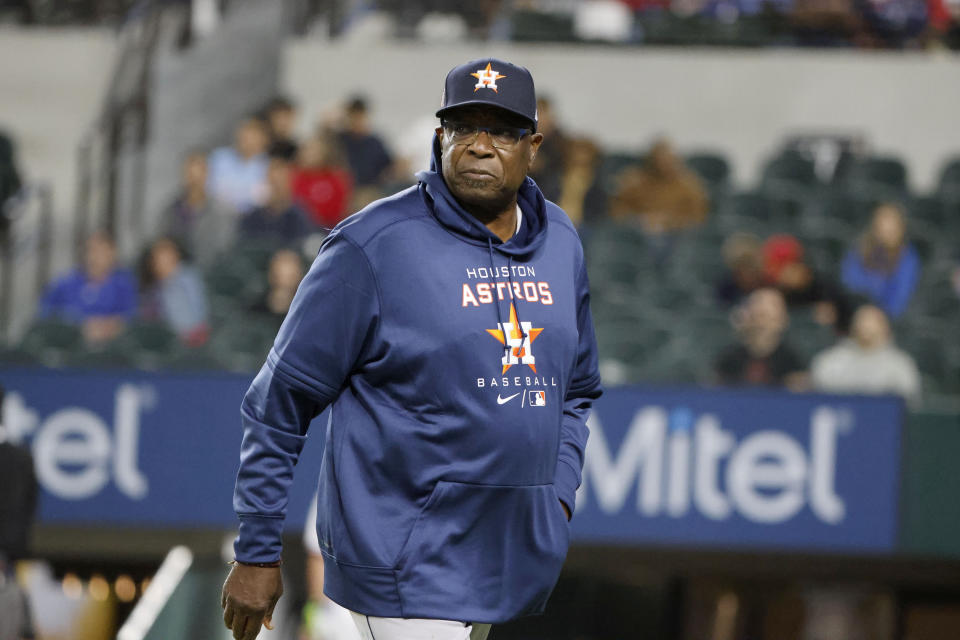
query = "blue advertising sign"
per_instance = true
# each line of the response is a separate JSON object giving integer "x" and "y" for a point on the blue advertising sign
{"x": 138, "y": 448}
{"x": 720, "y": 469}
{"x": 729, "y": 469}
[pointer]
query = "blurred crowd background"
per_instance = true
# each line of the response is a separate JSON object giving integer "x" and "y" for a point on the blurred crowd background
{"x": 198, "y": 183}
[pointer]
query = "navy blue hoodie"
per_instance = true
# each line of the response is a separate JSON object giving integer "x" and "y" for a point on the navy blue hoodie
{"x": 460, "y": 370}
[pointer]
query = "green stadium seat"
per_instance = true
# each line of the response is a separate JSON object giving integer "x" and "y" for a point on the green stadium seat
{"x": 667, "y": 28}
{"x": 194, "y": 359}
{"x": 948, "y": 187}
{"x": 537, "y": 26}
{"x": 748, "y": 211}
{"x": 616, "y": 257}
{"x": 52, "y": 341}
{"x": 713, "y": 169}
{"x": 110, "y": 356}
{"x": 790, "y": 169}
{"x": 808, "y": 337}
{"x": 243, "y": 346}
{"x": 151, "y": 336}
{"x": 884, "y": 177}
{"x": 237, "y": 283}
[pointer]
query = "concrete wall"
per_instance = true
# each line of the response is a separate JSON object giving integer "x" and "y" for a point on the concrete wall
{"x": 52, "y": 83}
{"x": 741, "y": 102}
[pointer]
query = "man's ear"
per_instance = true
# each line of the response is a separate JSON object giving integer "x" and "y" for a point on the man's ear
{"x": 535, "y": 140}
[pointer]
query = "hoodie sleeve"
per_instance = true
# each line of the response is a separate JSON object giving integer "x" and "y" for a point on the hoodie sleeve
{"x": 326, "y": 333}
{"x": 582, "y": 389}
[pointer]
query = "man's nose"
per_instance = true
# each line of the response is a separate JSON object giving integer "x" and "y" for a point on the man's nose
{"x": 482, "y": 145}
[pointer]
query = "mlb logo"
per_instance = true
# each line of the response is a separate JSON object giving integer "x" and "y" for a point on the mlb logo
{"x": 537, "y": 398}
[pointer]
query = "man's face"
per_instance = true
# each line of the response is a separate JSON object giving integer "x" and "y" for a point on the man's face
{"x": 251, "y": 138}
{"x": 195, "y": 171}
{"x": 282, "y": 120}
{"x": 278, "y": 179}
{"x": 99, "y": 257}
{"x": 479, "y": 174}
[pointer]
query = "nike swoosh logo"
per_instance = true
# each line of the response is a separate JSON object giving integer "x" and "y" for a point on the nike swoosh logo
{"x": 507, "y": 399}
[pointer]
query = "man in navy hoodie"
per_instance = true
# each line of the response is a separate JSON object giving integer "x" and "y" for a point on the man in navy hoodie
{"x": 448, "y": 329}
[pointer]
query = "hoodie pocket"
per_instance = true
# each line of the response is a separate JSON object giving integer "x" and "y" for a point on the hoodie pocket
{"x": 486, "y": 553}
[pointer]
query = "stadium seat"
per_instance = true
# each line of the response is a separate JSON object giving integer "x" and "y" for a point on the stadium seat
{"x": 113, "y": 355}
{"x": 713, "y": 169}
{"x": 748, "y": 211}
{"x": 51, "y": 342}
{"x": 537, "y": 26}
{"x": 156, "y": 337}
{"x": 194, "y": 359}
{"x": 790, "y": 169}
{"x": 666, "y": 28}
{"x": 884, "y": 177}
{"x": 846, "y": 213}
{"x": 237, "y": 283}
{"x": 243, "y": 346}
{"x": 808, "y": 337}
{"x": 948, "y": 187}
{"x": 615, "y": 255}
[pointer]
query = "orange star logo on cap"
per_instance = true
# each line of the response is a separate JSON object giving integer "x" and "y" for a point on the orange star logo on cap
{"x": 487, "y": 78}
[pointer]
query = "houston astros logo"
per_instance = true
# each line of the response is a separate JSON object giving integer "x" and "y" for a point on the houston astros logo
{"x": 518, "y": 347}
{"x": 487, "y": 78}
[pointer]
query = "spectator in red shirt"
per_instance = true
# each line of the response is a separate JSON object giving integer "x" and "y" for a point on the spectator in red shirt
{"x": 320, "y": 181}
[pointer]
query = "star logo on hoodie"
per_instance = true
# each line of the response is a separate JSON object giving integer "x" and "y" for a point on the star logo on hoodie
{"x": 516, "y": 337}
{"x": 487, "y": 78}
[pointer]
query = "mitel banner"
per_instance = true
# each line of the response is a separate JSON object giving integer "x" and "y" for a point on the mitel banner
{"x": 742, "y": 469}
{"x": 136, "y": 448}
{"x": 721, "y": 469}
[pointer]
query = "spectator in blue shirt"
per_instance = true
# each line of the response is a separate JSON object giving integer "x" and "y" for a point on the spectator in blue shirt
{"x": 281, "y": 222}
{"x": 177, "y": 296}
{"x": 237, "y": 174}
{"x": 884, "y": 266}
{"x": 100, "y": 295}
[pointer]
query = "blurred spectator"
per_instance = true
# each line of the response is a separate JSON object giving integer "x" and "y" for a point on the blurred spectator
{"x": 744, "y": 262}
{"x": 100, "y": 295}
{"x": 825, "y": 23}
{"x": 761, "y": 357}
{"x": 550, "y": 163}
{"x": 10, "y": 182}
{"x": 894, "y": 23}
{"x": 867, "y": 361}
{"x": 785, "y": 268}
{"x": 367, "y": 156}
{"x": 884, "y": 266}
{"x": 18, "y": 504}
{"x": 201, "y": 226}
{"x": 581, "y": 194}
{"x": 285, "y": 272}
{"x": 281, "y": 117}
{"x": 238, "y": 173}
{"x": 663, "y": 195}
{"x": 321, "y": 183}
{"x": 280, "y": 221}
{"x": 176, "y": 295}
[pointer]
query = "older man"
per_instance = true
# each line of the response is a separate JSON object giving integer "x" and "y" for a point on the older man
{"x": 449, "y": 329}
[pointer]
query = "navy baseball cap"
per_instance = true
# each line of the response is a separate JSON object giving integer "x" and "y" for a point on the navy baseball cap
{"x": 489, "y": 81}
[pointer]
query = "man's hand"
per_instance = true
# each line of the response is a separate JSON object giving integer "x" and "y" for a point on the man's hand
{"x": 566, "y": 510}
{"x": 248, "y": 598}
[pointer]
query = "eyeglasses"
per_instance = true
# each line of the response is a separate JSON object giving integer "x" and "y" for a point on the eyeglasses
{"x": 501, "y": 136}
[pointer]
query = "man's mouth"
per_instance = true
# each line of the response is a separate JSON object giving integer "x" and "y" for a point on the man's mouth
{"x": 477, "y": 174}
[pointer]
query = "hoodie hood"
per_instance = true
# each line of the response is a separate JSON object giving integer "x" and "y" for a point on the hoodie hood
{"x": 457, "y": 220}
